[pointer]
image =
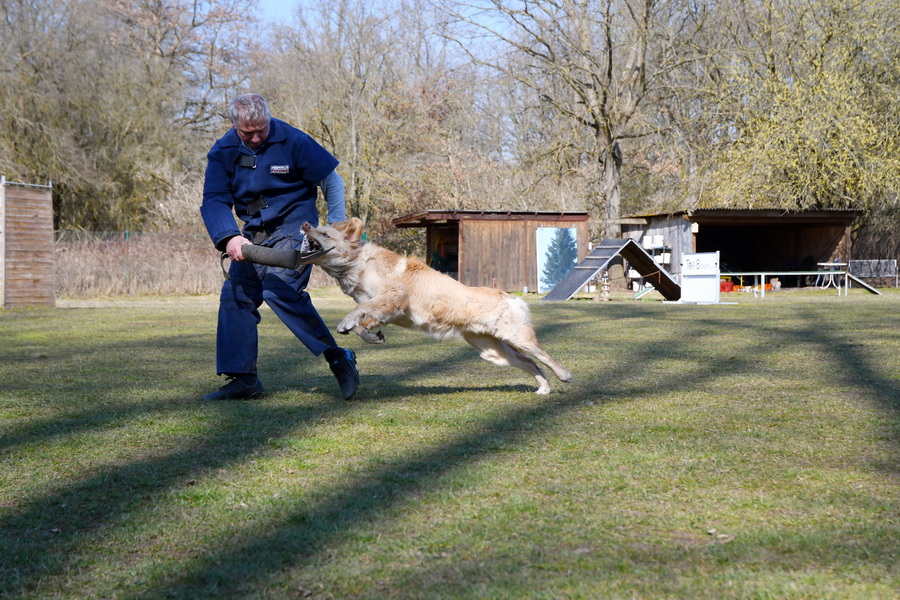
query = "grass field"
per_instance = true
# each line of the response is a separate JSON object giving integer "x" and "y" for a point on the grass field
{"x": 728, "y": 451}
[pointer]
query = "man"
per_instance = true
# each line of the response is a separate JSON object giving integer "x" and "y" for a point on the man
{"x": 268, "y": 172}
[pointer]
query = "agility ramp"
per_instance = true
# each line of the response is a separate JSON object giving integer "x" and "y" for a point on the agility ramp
{"x": 599, "y": 259}
{"x": 862, "y": 284}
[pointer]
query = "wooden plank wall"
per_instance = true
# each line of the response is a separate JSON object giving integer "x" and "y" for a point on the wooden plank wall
{"x": 28, "y": 276}
{"x": 502, "y": 253}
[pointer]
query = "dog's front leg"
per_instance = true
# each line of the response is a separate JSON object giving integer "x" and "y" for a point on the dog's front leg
{"x": 369, "y": 316}
{"x": 363, "y": 327}
{"x": 369, "y": 336}
{"x": 364, "y": 324}
{"x": 351, "y": 321}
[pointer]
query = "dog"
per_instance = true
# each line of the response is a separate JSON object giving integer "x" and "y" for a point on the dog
{"x": 403, "y": 290}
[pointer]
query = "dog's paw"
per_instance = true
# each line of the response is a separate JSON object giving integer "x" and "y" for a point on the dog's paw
{"x": 345, "y": 327}
{"x": 370, "y": 337}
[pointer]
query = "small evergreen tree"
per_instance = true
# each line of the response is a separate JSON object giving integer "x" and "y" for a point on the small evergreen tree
{"x": 561, "y": 256}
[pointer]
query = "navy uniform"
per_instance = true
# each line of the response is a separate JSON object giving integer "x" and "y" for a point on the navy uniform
{"x": 273, "y": 189}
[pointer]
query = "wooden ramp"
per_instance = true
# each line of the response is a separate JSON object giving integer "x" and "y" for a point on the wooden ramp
{"x": 599, "y": 259}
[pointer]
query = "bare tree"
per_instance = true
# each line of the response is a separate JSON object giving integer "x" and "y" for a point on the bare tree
{"x": 368, "y": 81}
{"x": 106, "y": 98}
{"x": 590, "y": 63}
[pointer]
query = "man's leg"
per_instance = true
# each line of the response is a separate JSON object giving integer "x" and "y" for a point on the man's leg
{"x": 237, "y": 340}
{"x": 285, "y": 293}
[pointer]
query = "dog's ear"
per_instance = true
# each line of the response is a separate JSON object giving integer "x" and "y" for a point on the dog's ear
{"x": 352, "y": 229}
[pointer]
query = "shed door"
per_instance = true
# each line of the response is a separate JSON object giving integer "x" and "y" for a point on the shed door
{"x": 443, "y": 248}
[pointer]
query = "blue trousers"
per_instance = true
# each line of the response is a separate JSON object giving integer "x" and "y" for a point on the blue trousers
{"x": 237, "y": 339}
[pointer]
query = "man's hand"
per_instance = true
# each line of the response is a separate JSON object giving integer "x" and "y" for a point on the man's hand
{"x": 233, "y": 248}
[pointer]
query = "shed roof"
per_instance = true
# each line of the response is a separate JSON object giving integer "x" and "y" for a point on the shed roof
{"x": 760, "y": 216}
{"x": 422, "y": 219}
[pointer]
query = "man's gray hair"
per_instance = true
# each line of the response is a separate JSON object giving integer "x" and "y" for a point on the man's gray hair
{"x": 249, "y": 108}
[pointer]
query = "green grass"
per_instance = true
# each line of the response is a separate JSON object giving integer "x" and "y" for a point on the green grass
{"x": 729, "y": 451}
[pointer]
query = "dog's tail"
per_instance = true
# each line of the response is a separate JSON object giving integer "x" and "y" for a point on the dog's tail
{"x": 520, "y": 308}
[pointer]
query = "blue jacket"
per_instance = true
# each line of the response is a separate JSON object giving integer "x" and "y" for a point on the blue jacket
{"x": 276, "y": 188}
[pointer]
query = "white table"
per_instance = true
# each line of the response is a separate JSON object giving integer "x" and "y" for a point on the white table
{"x": 828, "y": 279}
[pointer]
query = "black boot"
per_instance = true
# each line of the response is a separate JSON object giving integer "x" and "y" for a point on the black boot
{"x": 343, "y": 365}
{"x": 240, "y": 386}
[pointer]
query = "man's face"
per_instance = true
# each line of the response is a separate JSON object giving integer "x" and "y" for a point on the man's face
{"x": 252, "y": 133}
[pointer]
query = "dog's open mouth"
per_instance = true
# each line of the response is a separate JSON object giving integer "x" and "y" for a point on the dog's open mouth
{"x": 311, "y": 250}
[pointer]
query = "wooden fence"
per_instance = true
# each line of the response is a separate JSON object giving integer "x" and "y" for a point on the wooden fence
{"x": 27, "y": 270}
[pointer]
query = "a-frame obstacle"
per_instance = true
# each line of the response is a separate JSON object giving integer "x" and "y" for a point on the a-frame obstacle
{"x": 599, "y": 259}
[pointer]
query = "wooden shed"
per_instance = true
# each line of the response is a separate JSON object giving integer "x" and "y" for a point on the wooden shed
{"x": 748, "y": 240}
{"x": 27, "y": 268}
{"x": 496, "y": 249}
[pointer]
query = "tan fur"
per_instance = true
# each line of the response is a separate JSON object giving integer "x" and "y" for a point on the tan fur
{"x": 400, "y": 290}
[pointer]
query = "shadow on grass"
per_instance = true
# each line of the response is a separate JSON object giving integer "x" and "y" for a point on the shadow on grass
{"x": 36, "y": 546}
{"x": 854, "y": 368}
{"x": 44, "y": 536}
{"x": 40, "y": 537}
{"x": 306, "y": 534}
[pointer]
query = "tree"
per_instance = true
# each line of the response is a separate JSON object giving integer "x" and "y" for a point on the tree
{"x": 561, "y": 256}
{"x": 591, "y": 63}
{"x": 808, "y": 98}
{"x": 367, "y": 80}
{"x": 106, "y": 99}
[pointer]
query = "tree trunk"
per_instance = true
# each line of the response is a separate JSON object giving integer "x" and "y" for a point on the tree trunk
{"x": 612, "y": 196}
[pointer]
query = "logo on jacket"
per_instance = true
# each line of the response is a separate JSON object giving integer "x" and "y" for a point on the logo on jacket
{"x": 280, "y": 169}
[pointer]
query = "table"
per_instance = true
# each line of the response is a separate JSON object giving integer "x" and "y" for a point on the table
{"x": 828, "y": 276}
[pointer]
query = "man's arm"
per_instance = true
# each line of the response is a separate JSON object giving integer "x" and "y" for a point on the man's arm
{"x": 217, "y": 205}
{"x": 333, "y": 188}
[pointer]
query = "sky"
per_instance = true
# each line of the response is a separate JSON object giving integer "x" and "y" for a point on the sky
{"x": 278, "y": 11}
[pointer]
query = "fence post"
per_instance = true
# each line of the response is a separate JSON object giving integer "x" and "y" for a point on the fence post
{"x": 127, "y": 236}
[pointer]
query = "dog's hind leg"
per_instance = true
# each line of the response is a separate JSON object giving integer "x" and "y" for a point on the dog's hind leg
{"x": 498, "y": 352}
{"x": 525, "y": 342}
{"x": 517, "y": 331}
{"x": 560, "y": 371}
